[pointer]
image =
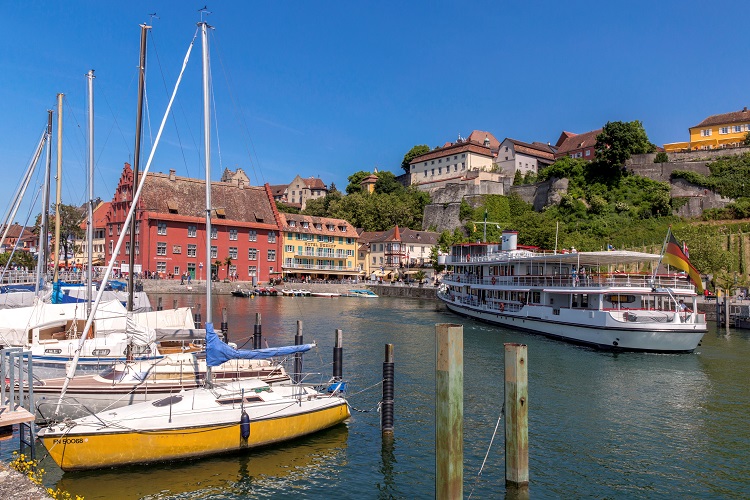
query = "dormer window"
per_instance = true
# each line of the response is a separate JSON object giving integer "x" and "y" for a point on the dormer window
{"x": 305, "y": 224}
{"x": 318, "y": 226}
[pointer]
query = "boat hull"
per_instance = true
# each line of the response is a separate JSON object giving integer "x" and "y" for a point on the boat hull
{"x": 643, "y": 338}
{"x": 83, "y": 447}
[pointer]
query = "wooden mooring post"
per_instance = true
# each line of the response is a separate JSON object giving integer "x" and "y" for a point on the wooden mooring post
{"x": 449, "y": 411}
{"x": 257, "y": 332}
{"x": 338, "y": 356}
{"x": 297, "y": 375}
{"x": 516, "y": 417}
{"x": 197, "y": 316}
{"x": 386, "y": 405}
{"x": 224, "y": 324}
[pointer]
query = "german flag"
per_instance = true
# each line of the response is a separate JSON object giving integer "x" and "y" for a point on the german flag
{"x": 675, "y": 257}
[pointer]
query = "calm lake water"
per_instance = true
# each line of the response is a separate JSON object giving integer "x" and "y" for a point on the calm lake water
{"x": 601, "y": 425}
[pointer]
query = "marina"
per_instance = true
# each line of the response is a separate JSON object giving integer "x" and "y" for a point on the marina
{"x": 630, "y": 425}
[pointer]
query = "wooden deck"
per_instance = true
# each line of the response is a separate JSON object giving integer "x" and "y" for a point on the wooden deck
{"x": 17, "y": 416}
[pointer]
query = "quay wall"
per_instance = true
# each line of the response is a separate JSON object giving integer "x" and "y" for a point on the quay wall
{"x": 155, "y": 287}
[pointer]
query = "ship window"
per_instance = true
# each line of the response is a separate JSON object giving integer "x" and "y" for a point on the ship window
{"x": 100, "y": 352}
{"x": 167, "y": 401}
{"x": 53, "y": 351}
{"x": 622, "y": 299}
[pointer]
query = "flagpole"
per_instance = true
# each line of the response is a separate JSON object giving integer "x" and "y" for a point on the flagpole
{"x": 663, "y": 249}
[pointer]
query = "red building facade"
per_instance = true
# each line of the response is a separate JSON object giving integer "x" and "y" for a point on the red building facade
{"x": 170, "y": 235}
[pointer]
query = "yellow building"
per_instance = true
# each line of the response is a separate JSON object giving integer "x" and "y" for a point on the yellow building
{"x": 318, "y": 248}
{"x": 715, "y": 132}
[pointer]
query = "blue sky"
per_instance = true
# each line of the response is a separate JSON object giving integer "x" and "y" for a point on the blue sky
{"x": 329, "y": 88}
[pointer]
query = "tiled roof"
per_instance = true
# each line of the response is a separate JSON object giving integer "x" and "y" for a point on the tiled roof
{"x": 350, "y": 231}
{"x": 278, "y": 189}
{"x": 314, "y": 183}
{"x": 742, "y": 116}
{"x": 455, "y": 148}
{"x": 100, "y": 215}
{"x": 187, "y": 197}
{"x": 536, "y": 149}
{"x": 563, "y": 136}
{"x": 478, "y": 137}
{"x": 578, "y": 141}
{"x": 14, "y": 231}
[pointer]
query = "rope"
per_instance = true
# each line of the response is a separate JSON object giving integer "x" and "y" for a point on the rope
{"x": 479, "y": 474}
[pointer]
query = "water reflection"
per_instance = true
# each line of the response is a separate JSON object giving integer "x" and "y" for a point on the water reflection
{"x": 301, "y": 463}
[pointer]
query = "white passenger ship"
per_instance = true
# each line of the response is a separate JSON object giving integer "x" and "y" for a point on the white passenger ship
{"x": 607, "y": 300}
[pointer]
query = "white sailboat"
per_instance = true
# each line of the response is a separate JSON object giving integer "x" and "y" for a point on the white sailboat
{"x": 205, "y": 421}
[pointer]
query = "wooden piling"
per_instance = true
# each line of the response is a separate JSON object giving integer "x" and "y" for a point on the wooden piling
{"x": 449, "y": 410}
{"x": 197, "y": 316}
{"x": 297, "y": 375}
{"x": 516, "y": 417}
{"x": 224, "y": 324}
{"x": 338, "y": 356}
{"x": 257, "y": 332}
{"x": 726, "y": 312}
{"x": 386, "y": 405}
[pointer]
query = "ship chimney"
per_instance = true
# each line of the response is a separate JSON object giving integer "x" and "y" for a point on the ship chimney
{"x": 510, "y": 240}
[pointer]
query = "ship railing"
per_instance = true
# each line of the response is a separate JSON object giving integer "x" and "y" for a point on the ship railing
{"x": 624, "y": 280}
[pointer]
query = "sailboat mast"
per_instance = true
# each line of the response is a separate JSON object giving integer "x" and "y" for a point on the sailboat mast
{"x": 90, "y": 225}
{"x": 137, "y": 160}
{"x": 42, "y": 253}
{"x": 207, "y": 147}
{"x": 58, "y": 194}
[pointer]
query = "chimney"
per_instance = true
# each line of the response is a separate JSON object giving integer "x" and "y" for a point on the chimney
{"x": 171, "y": 174}
{"x": 745, "y": 110}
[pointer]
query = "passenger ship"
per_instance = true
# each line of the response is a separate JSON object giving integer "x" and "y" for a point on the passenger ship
{"x": 607, "y": 300}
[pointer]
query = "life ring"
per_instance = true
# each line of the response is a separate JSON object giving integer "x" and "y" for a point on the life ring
{"x": 468, "y": 258}
{"x": 502, "y": 306}
{"x": 494, "y": 280}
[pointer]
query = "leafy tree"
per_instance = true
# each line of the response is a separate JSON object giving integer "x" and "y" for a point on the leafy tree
{"x": 21, "y": 259}
{"x": 529, "y": 177}
{"x": 228, "y": 262}
{"x": 518, "y": 178}
{"x": 617, "y": 142}
{"x": 661, "y": 157}
{"x": 287, "y": 209}
{"x": 387, "y": 183}
{"x": 70, "y": 227}
{"x": 413, "y": 153}
{"x": 420, "y": 276}
{"x": 434, "y": 254}
{"x": 355, "y": 181}
{"x": 746, "y": 142}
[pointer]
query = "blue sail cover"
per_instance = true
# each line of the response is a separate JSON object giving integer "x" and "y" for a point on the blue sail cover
{"x": 217, "y": 352}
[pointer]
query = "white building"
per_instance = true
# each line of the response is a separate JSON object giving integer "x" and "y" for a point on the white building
{"x": 514, "y": 156}
{"x": 451, "y": 162}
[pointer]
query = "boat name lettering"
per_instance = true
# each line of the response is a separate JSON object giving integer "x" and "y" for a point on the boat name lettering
{"x": 68, "y": 441}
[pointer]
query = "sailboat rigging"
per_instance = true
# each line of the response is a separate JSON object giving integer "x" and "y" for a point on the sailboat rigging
{"x": 205, "y": 421}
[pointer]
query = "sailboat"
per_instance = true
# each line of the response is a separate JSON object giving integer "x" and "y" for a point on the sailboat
{"x": 210, "y": 420}
{"x": 52, "y": 330}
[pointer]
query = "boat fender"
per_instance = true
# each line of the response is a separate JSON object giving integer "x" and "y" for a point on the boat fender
{"x": 245, "y": 425}
{"x": 494, "y": 280}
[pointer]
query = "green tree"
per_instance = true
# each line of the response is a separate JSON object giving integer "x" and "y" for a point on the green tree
{"x": 661, "y": 157}
{"x": 387, "y": 183}
{"x": 746, "y": 142}
{"x": 413, "y": 153}
{"x": 420, "y": 276}
{"x": 70, "y": 228}
{"x": 518, "y": 178}
{"x": 619, "y": 140}
{"x": 287, "y": 209}
{"x": 228, "y": 262}
{"x": 355, "y": 181}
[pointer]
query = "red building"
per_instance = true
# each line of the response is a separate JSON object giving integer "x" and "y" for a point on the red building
{"x": 577, "y": 145}
{"x": 170, "y": 233}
